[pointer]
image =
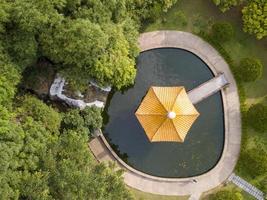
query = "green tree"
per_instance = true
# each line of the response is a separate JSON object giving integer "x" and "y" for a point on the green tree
{"x": 72, "y": 120}
{"x": 40, "y": 112}
{"x": 130, "y": 31}
{"x": 38, "y": 164}
{"x": 4, "y": 14}
{"x": 36, "y": 140}
{"x": 96, "y": 11}
{"x": 81, "y": 38}
{"x": 115, "y": 66}
{"x": 225, "y": 5}
{"x": 69, "y": 6}
{"x": 25, "y": 145}
{"x": 22, "y": 47}
{"x": 36, "y": 143}
{"x": 249, "y": 69}
{"x": 255, "y": 18}
{"x": 7, "y": 84}
{"x": 11, "y": 143}
{"x": 148, "y": 10}
{"x": 73, "y": 176}
{"x": 92, "y": 118}
{"x": 34, "y": 185}
{"x": 35, "y": 16}
{"x": 75, "y": 43}
{"x": 9, "y": 78}
{"x": 116, "y": 11}
{"x": 69, "y": 163}
{"x": 257, "y": 117}
{"x": 85, "y": 121}
{"x": 227, "y": 195}
{"x": 254, "y": 161}
{"x": 87, "y": 50}
{"x": 105, "y": 179}
{"x": 222, "y": 31}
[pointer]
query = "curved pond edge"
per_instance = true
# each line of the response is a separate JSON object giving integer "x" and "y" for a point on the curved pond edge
{"x": 115, "y": 148}
{"x": 232, "y": 119}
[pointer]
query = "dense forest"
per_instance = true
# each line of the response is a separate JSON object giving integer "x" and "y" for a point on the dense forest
{"x": 44, "y": 153}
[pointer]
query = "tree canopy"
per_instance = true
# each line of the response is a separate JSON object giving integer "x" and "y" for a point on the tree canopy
{"x": 255, "y": 161}
{"x": 253, "y": 14}
{"x": 250, "y": 69}
{"x": 225, "y": 5}
{"x": 40, "y": 112}
{"x": 222, "y": 31}
{"x": 9, "y": 78}
{"x": 255, "y": 18}
{"x": 84, "y": 39}
{"x": 257, "y": 117}
{"x": 99, "y": 52}
{"x": 38, "y": 162}
{"x": 87, "y": 120}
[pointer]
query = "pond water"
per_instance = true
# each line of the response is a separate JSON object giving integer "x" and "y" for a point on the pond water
{"x": 204, "y": 142}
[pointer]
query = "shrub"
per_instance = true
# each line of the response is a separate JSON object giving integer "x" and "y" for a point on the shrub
{"x": 181, "y": 18}
{"x": 254, "y": 18}
{"x": 222, "y": 31}
{"x": 227, "y": 195}
{"x": 254, "y": 161}
{"x": 263, "y": 185}
{"x": 225, "y": 5}
{"x": 257, "y": 117}
{"x": 250, "y": 69}
{"x": 200, "y": 23}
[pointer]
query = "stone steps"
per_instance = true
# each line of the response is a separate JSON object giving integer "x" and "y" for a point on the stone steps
{"x": 252, "y": 190}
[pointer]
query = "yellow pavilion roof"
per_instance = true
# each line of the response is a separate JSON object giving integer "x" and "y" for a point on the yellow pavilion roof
{"x": 166, "y": 114}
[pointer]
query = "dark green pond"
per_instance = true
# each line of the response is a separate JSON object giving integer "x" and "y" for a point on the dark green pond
{"x": 203, "y": 144}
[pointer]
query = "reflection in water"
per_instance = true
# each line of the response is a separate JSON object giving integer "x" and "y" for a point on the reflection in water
{"x": 204, "y": 142}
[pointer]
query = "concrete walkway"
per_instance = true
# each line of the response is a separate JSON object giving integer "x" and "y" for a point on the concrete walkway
{"x": 216, "y": 176}
{"x": 252, "y": 190}
{"x": 195, "y": 196}
{"x": 207, "y": 89}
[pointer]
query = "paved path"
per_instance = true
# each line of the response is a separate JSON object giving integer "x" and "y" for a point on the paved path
{"x": 252, "y": 190}
{"x": 195, "y": 196}
{"x": 224, "y": 168}
{"x": 208, "y": 88}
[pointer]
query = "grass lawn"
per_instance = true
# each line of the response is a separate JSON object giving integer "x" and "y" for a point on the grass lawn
{"x": 229, "y": 186}
{"x": 196, "y": 15}
{"x": 147, "y": 196}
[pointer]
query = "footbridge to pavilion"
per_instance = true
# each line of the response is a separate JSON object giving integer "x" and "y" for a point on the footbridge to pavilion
{"x": 208, "y": 88}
